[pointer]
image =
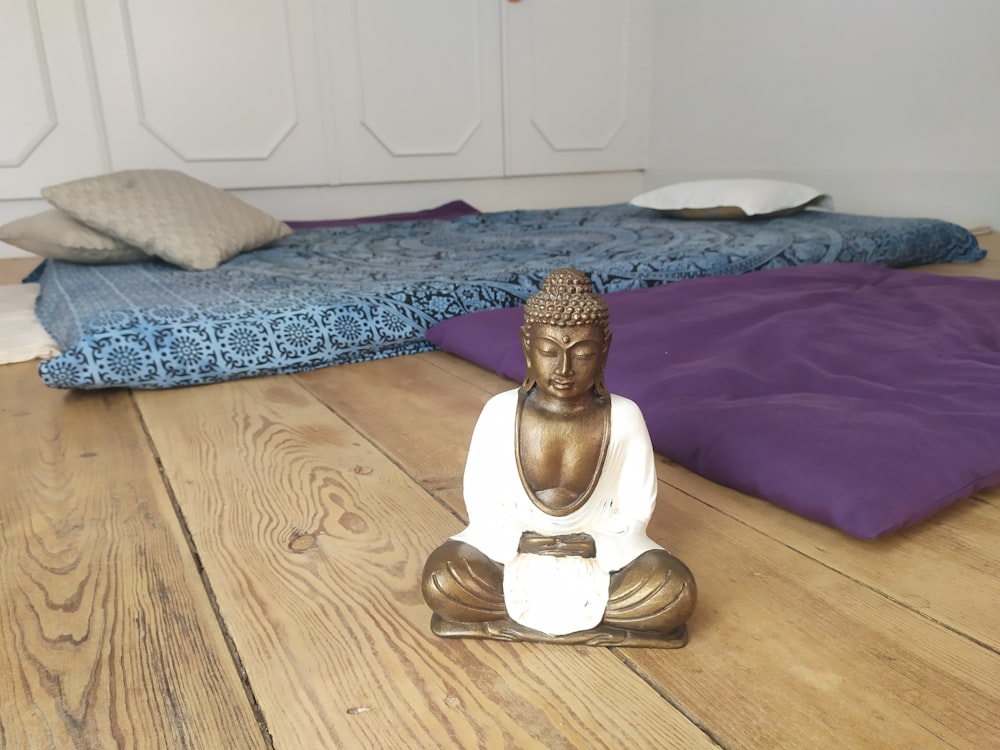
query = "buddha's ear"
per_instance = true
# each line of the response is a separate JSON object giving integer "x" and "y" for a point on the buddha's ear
{"x": 600, "y": 387}
{"x": 529, "y": 376}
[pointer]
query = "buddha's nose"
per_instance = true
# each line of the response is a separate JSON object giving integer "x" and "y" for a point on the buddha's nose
{"x": 564, "y": 365}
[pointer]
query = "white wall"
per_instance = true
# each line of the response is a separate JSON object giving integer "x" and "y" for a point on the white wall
{"x": 891, "y": 106}
{"x": 543, "y": 104}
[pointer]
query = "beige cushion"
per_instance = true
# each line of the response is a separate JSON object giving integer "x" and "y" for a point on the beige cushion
{"x": 168, "y": 214}
{"x": 732, "y": 199}
{"x": 54, "y": 234}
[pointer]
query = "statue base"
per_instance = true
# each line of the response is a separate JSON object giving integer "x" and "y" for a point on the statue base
{"x": 603, "y": 635}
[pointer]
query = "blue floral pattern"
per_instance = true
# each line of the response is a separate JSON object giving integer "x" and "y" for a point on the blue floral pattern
{"x": 344, "y": 294}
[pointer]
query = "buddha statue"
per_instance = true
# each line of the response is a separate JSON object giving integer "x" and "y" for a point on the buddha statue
{"x": 559, "y": 486}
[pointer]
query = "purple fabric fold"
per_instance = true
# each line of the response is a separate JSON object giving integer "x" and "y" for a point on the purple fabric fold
{"x": 452, "y": 210}
{"x": 860, "y": 397}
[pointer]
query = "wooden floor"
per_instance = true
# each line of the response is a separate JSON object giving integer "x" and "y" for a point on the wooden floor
{"x": 237, "y": 566}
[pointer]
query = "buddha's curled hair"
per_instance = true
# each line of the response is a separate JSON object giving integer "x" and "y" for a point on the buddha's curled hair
{"x": 566, "y": 299}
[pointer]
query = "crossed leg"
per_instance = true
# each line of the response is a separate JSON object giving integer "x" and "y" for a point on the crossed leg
{"x": 649, "y": 603}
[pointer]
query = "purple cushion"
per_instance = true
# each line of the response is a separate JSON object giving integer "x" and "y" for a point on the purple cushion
{"x": 453, "y": 210}
{"x": 861, "y": 397}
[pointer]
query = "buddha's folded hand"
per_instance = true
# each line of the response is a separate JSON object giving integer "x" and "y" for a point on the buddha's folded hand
{"x": 564, "y": 545}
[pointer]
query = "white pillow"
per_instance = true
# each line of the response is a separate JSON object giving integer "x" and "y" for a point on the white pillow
{"x": 732, "y": 199}
{"x": 54, "y": 234}
{"x": 168, "y": 214}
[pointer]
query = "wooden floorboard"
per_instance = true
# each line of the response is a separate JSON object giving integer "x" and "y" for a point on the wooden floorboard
{"x": 931, "y": 567}
{"x": 238, "y": 565}
{"x": 109, "y": 638}
{"x": 314, "y": 540}
{"x": 785, "y": 647}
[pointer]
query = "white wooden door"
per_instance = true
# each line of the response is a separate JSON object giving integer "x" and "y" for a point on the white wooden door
{"x": 415, "y": 89}
{"x": 225, "y": 90}
{"x": 576, "y": 85}
{"x": 49, "y": 125}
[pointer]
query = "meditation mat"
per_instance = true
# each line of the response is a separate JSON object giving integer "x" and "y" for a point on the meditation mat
{"x": 861, "y": 397}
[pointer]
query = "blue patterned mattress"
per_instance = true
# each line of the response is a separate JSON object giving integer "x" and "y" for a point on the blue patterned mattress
{"x": 342, "y": 294}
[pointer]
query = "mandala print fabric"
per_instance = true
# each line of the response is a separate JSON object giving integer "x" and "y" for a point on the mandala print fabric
{"x": 344, "y": 294}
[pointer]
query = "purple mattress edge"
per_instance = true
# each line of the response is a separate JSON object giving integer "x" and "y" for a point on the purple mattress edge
{"x": 452, "y": 210}
{"x": 860, "y": 397}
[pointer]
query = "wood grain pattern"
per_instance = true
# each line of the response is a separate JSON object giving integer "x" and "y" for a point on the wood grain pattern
{"x": 314, "y": 542}
{"x": 108, "y": 636}
{"x": 784, "y": 634}
{"x": 237, "y": 566}
{"x": 931, "y": 568}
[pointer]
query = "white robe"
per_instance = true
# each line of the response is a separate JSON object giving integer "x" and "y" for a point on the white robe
{"x": 558, "y": 595}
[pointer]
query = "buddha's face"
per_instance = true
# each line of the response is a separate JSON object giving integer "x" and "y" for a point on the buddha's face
{"x": 565, "y": 362}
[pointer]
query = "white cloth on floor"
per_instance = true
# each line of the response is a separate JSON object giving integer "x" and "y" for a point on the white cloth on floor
{"x": 22, "y": 337}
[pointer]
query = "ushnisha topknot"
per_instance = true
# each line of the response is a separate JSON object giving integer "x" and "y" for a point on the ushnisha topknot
{"x": 566, "y": 299}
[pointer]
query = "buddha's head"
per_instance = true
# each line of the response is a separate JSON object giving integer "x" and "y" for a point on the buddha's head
{"x": 566, "y": 337}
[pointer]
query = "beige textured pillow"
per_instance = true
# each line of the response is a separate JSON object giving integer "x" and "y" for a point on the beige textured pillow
{"x": 732, "y": 199}
{"x": 54, "y": 234}
{"x": 168, "y": 214}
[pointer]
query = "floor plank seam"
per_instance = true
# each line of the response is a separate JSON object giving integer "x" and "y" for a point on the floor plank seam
{"x": 665, "y": 695}
{"x": 432, "y": 362}
{"x": 205, "y": 582}
{"x": 883, "y": 594}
